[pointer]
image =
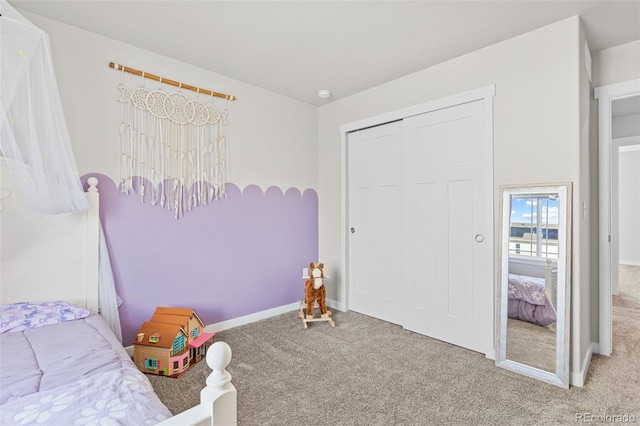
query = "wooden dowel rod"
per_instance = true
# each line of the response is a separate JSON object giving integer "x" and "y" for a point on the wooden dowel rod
{"x": 171, "y": 82}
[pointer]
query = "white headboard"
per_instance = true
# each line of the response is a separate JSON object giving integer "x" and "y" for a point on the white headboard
{"x": 47, "y": 257}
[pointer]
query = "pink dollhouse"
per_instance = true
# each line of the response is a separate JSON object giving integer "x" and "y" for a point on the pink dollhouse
{"x": 171, "y": 342}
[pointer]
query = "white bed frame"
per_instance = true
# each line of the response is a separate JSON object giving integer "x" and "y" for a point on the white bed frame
{"x": 55, "y": 257}
{"x": 47, "y": 257}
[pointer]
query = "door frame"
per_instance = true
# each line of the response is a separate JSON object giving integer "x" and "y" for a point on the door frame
{"x": 607, "y": 257}
{"x": 485, "y": 94}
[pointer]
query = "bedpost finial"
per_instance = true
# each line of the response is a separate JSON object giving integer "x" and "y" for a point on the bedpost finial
{"x": 93, "y": 184}
{"x": 218, "y": 358}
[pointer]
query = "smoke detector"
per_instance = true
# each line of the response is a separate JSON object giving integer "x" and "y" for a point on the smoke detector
{"x": 324, "y": 93}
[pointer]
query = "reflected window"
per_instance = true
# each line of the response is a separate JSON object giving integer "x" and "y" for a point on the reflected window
{"x": 534, "y": 226}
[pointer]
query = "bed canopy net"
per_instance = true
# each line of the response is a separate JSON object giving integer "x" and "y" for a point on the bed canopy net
{"x": 33, "y": 133}
{"x": 34, "y": 139}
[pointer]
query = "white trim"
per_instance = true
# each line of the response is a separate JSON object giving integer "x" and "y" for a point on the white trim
{"x": 344, "y": 216}
{"x": 617, "y": 90}
{"x": 486, "y": 92}
{"x": 605, "y": 95}
{"x": 630, "y": 262}
{"x": 333, "y": 304}
{"x": 490, "y": 92}
{"x": 248, "y": 319}
{"x": 577, "y": 379}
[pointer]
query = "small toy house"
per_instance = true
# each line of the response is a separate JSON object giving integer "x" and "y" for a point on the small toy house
{"x": 171, "y": 342}
{"x": 192, "y": 324}
{"x": 161, "y": 349}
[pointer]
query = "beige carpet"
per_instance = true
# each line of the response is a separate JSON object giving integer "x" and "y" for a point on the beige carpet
{"x": 369, "y": 372}
{"x": 532, "y": 344}
{"x": 629, "y": 278}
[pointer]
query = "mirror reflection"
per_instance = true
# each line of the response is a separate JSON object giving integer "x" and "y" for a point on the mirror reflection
{"x": 532, "y": 332}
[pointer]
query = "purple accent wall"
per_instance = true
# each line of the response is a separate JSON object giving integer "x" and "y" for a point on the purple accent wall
{"x": 237, "y": 256}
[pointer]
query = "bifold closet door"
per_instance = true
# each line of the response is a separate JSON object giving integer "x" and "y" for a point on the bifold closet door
{"x": 447, "y": 191}
{"x": 375, "y": 221}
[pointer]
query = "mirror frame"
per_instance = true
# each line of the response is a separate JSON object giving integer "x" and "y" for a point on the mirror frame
{"x": 564, "y": 190}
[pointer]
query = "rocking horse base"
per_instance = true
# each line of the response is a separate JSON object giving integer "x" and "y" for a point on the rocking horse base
{"x": 305, "y": 318}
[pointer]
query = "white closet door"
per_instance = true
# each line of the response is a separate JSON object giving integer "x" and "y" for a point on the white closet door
{"x": 375, "y": 218}
{"x": 448, "y": 235}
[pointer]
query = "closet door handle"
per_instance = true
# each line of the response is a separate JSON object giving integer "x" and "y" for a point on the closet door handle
{"x": 479, "y": 238}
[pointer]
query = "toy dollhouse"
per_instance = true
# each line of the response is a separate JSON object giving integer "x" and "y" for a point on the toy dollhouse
{"x": 192, "y": 324}
{"x": 171, "y": 342}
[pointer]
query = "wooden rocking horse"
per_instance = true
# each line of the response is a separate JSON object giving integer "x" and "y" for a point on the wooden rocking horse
{"x": 315, "y": 294}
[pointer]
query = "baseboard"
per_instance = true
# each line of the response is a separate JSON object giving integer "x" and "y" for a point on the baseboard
{"x": 630, "y": 262}
{"x": 335, "y": 305}
{"x": 247, "y": 319}
{"x": 577, "y": 379}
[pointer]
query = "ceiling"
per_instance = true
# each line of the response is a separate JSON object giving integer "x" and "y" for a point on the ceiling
{"x": 296, "y": 48}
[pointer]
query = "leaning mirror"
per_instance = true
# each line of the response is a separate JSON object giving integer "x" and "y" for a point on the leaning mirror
{"x": 532, "y": 327}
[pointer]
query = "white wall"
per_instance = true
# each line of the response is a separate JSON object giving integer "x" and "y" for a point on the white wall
{"x": 629, "y": 202}
{"x": 272, "y": 138}
{"x": 625, "y": 126}
{"x": 536, "y": 125}
{"x": 616, "y": 64}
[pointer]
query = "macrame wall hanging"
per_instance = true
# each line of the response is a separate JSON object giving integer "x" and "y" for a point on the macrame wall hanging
{"x": 173, "y": 148}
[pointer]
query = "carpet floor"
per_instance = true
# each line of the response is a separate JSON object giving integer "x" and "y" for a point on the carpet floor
{"x": 368, "y": 372}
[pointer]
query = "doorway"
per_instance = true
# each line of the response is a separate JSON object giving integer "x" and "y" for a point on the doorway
{"x": 626, "y": 201}
{"x": 619, "y": 125}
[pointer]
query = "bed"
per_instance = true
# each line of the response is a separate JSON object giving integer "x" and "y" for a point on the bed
{"x": 531, "y": 297}
{"x": 70, "y": 369}
{"x": 60, "y": 361}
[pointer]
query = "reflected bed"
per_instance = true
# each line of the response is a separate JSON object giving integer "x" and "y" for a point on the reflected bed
{"x": 529, "y": 301}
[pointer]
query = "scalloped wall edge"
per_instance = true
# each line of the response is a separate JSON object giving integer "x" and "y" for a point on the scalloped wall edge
{"x": 230, "y": 186}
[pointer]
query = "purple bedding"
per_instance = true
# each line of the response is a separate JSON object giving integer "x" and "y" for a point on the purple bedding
{"x": 25, "y": 316}
{"x": 74, "y": 372}
{"x": 529, "y": 302}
